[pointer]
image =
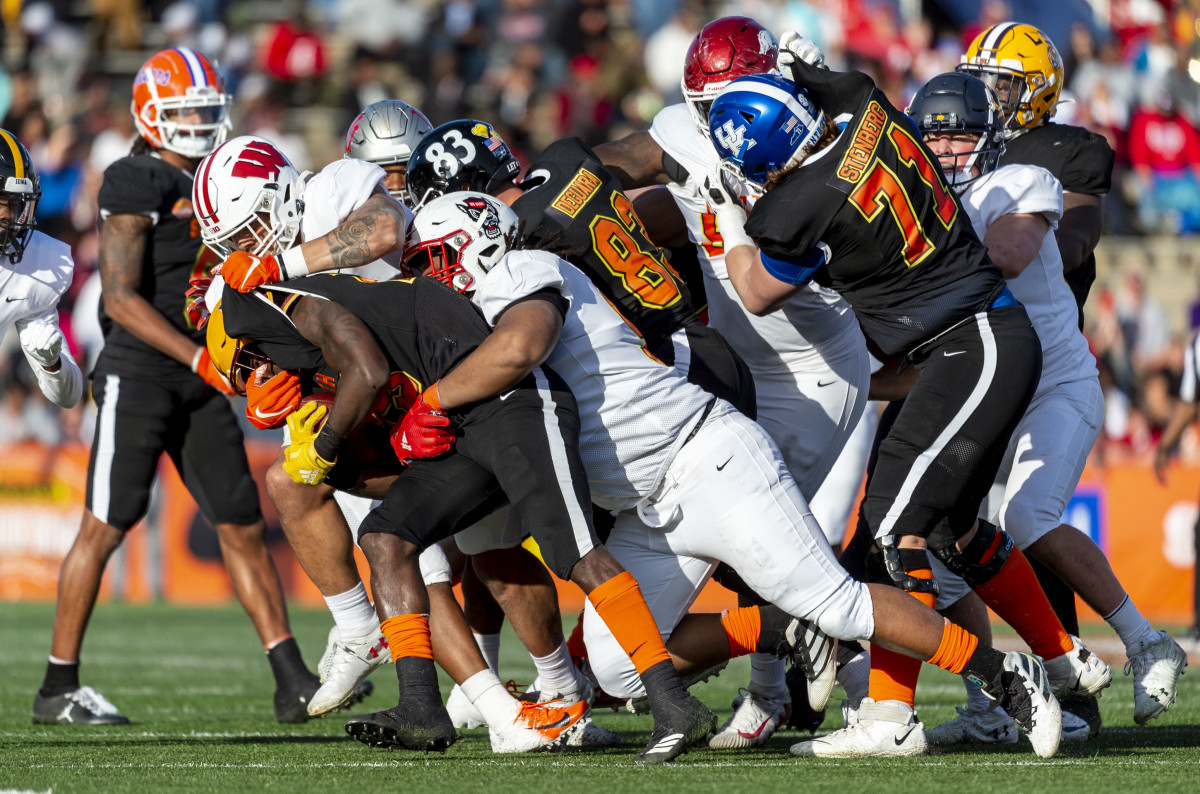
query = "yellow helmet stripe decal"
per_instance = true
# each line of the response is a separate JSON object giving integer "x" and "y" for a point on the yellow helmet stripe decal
{"x": 18, "y": 160}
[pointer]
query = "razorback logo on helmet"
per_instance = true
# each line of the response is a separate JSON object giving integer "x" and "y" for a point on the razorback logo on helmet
{"x": 478, "y": 208}
{"x": 259, "y": 161}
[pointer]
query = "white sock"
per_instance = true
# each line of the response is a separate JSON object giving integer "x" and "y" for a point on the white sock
{"x": 855, "y": 677}
{"x": 1130, "y": 626}
{"x": 976, "y": 700}
{"x": 352, "y": 611}
{"x": 55, "y": 660}
{"x": 487, "y": 694}
{"x": 489, "y": 646}
{"x": 767, "y": 676}
{"x": 556, "y": 671}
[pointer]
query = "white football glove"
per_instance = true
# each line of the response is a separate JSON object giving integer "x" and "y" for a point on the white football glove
{"x": 731, "y": 216}
{"x": 792, "y": 48}
{"x": 43, "y": 342}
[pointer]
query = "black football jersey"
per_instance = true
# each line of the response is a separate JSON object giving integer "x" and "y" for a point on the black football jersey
{"x": 146, "y": 185}
{"x": 897, "y": 243}
{"x": 1082, "y": 161}
{"x": 575, "y": 207}
{"x": 424, "y": 328}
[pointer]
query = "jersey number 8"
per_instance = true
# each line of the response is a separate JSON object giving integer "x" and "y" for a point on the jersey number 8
{"x": 627, "y": 253}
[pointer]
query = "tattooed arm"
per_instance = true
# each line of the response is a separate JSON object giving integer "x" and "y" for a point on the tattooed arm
{"x": 376, "y": 228}
{"x": 122, "y": 248}
{"x": 636, "y": 159}
{"x": 350, "y": 348}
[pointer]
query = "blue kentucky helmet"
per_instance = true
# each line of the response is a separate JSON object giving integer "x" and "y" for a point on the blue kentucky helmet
{"x": 760, "y": 123}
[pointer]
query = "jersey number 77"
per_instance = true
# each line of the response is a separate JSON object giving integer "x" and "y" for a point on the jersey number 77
{"x": 881, "y": 186}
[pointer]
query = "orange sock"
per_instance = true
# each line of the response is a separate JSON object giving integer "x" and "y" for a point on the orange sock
{"x": 575, "y": 645}
{"x": 743, "y": 629}
{"x": 894, "y": 675}
{"x": 621, "y": 606}
{"x": 955, "y": 649}
{"x": 408, "y": 635}
{"x": 1016, "y": 596}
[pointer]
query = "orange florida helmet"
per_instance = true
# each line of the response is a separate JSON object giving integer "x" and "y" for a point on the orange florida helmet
{"x": 180, "y": 104}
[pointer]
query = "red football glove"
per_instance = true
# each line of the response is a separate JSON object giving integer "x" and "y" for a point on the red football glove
{"x": 424, "y": 432}
{"x": 202, "y": 365}
{"x": 244, "y": 271}
{"x": 268, "y": 402}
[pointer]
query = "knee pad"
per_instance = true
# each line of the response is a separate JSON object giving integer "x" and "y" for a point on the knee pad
{"x": 967, "y": 562}
{"x": 898, "y": 562}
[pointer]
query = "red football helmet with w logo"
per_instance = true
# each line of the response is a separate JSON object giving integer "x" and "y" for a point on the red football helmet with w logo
{"x": 247, "y": 190}
{"x": 724, "y": 50}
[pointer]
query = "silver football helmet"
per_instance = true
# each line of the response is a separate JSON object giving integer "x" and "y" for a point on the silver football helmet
{"x": 386, "y": 133}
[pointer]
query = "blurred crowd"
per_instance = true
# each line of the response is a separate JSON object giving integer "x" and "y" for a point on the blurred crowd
{"x": 543, "y": 69}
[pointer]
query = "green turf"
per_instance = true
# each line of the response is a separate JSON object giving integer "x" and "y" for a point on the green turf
{"x": 199, "y": 692}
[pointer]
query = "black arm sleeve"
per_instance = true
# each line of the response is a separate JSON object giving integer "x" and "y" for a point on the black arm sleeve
{"x": 834, "y": 92}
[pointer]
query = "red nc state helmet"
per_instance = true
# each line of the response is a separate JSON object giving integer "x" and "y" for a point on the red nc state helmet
{"x": 725, "y": 49}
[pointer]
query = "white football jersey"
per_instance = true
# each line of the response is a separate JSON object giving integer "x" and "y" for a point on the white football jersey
{"x": 1040, "y": 288}
{"x": 330, "y": 195}
{"x": 32, "y": 287}
{"x": 813, "y": 317}
{"x": 635, "y": 412}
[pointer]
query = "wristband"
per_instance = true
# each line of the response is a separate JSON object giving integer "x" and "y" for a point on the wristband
{"x": 293, "y": 264}
{"x": 731, "y": 229}
{"x": 432, "y": 397}
{"x": 327, "y": 443}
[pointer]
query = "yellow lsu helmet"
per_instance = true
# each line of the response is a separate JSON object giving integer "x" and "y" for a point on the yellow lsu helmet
{"x": 230, "y": 356}
{"x": 1023, "y": 67}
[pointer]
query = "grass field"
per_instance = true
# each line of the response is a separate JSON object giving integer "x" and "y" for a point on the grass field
{"x": 199, "y": 693}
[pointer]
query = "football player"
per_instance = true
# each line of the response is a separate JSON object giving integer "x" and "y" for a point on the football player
{"x": 1014, "y": 209}
{"x": 523, "y": 440}
{"x": 320, "y": 521}
{"x": 865, "y": 210}
{"x": 808, "y": 359}
{"x": 35, "y": 271}
{"x": 156, "y": 390}
{"x": 385, "y": 134}
{"x": 1022, "y": 65}
{"x": 684, "y": 471}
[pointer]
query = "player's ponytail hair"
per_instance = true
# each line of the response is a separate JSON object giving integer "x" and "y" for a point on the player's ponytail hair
{"x": 827, "y": 137}
{"x": 140, "y": 146}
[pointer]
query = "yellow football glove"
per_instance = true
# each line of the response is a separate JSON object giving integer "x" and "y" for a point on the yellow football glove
{"x": 300, "y": 458}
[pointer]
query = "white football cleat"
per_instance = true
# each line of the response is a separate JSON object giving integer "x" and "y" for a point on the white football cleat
{"x": 588, "y": 734}
{"x": 1023, "y": 691}
{"x": 816, "y": 654}
{"x": 882, "y": 729}
{"x": 755, "y": 719}
{"x": 1156, "y": 669}
{"x": 539, "y": 726}
{"x": 347, "y": 661}
{"x": 1077, "y": 672}
{"x": 463, "y": 713}
{"x": 975, "y": 726}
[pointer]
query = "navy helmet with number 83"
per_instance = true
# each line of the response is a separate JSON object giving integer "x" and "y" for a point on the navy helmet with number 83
{"x": 762, "y": 123}
{"x": 460, "y": 155}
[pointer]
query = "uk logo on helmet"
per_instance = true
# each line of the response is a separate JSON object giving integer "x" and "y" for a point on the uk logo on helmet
{"x": 731, "y": 138}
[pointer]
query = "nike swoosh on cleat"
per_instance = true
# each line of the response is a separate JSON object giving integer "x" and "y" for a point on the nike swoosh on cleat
{"x": 899, "y": 740}
{"x": 757, "y": 733}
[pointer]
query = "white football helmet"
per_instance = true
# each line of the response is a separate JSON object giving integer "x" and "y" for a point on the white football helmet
{"x": 247, "y": 183}
{"x": 459, "y": 237}
{"x": 386, "y": 133}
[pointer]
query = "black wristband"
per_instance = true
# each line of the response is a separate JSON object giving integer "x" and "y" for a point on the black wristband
{"x": 327, "y": 443}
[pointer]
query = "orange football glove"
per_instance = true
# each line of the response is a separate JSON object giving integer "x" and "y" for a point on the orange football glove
{"x": 202, "y": 365}
{"x": 425, "y": 430}
{"x": 268, "y": 402}
{"x": 244, "y": 271}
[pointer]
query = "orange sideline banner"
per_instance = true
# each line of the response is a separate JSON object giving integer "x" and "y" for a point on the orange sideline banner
{"x": 1145, "y": 529}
